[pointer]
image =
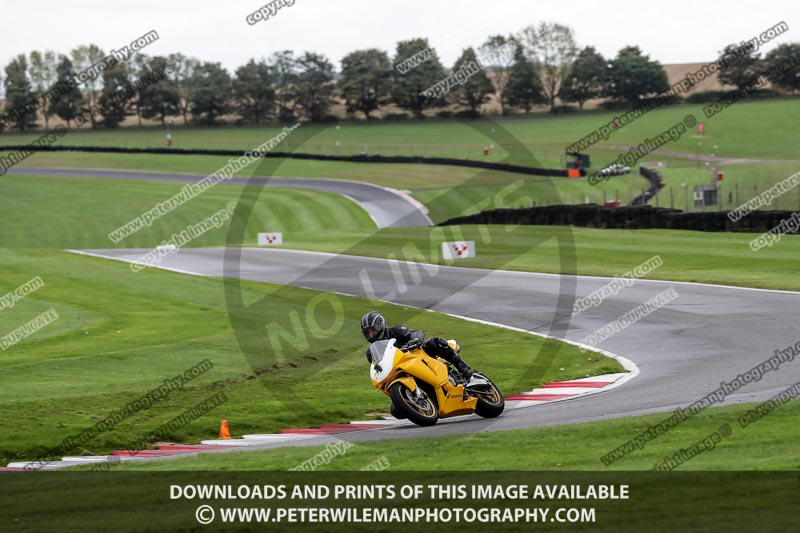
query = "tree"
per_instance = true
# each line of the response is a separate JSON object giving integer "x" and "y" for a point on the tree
{"x": 42, "y": 72}
{"x": 113, "y": 98}
{"x": 160, "y": 99}
{"x": 67, "y": 99}
{"x": 19, "y": 94}
{"x": 552, "y": 49}
{"x": 210, "y": 92}
{"x": 365, "y": 80}
{"x": 524, "y": 86}
{"x": 139, "y": 67}
{"x": 476, "y": 89}
{"x": 314, "y": 85}
{"x": 499, "y": 48}
{"x": 586, "y": 78}
{"x": 84, "y": 58}
{"x": 783, "y": 66}
{"x": 283, "y": 68}
{"x": 253, "y": 91}
{"x": 742, "y": 67}
{"x": 632, "y": 75}
{"x": 182, "y": 71}
{"x": 408, "y": 87}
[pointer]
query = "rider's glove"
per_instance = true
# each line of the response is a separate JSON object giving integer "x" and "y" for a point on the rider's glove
{"x": 411, "y": 345}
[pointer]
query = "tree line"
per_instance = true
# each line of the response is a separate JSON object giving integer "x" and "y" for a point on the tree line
{"x": 541, "y": 65}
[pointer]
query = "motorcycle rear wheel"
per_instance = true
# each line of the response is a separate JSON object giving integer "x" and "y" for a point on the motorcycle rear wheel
{"x": 423, "y": 412}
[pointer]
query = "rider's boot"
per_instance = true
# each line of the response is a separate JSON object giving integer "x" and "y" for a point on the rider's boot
{"x": 466, "y": 371}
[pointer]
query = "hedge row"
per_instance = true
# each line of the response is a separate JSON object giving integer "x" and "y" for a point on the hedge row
{"x": 644, "y": 217}
{"x": 361, "y": 158}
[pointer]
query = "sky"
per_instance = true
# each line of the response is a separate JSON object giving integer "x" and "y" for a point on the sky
{"x": 677, "y": 31}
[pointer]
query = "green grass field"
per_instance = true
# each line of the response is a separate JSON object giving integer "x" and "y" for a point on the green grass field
{"x": 43, "y": 212}
{"x": 118, "y": 337}
{"x": 446, "y": 191}
{"x": 769, "y": 444}
{"x": 120, "y": 334}
{"x": 741, "y": 182}
{"x": 746, "y": 129}
{"x": 78, "y": 216}
{"x": 450, "y": 191}
{"x": 722, "y": 258}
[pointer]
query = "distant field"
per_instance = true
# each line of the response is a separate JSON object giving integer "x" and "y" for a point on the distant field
{"x": 741, "y": 183}
{"x": 746, "y": 129}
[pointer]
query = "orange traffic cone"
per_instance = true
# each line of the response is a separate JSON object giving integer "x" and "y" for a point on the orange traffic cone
{"x": 224, "y": 433}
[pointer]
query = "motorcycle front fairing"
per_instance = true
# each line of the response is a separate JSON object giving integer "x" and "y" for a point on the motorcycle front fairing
{"x": 382, "y": 354}
{"x": 391, "y": 365}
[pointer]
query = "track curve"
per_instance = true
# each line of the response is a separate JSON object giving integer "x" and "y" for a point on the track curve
{"x": 388, "y": 208}
{"x": 684, "y": 349}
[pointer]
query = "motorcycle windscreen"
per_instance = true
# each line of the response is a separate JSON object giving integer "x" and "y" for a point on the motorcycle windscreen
{"x": 377, "y": 350}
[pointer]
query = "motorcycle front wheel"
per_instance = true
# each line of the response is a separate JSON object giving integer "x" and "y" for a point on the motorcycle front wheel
{"x": 395, "y": 412}
{"x": 422, "y": 411}
{"x": 490, "y": 401}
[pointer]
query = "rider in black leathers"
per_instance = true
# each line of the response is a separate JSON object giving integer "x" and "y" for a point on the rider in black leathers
{"x": 373, "y": 326}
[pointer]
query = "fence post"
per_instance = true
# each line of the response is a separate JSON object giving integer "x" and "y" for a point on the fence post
{"x": 719, "y": 197}
{"x": 604, "y": 197}
{"x": 736, "y": 191}
{"x": 671, "y": 198}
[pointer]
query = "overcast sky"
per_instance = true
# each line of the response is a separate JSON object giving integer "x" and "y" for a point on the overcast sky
{"x": 674, "y": 31}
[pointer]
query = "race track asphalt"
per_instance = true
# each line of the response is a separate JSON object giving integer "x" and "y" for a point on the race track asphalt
{"x": 684, "y": 349}
{"x": 707, "y": 335}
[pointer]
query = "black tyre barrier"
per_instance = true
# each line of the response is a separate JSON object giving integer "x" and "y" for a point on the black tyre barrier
{"x": 629, "y": 217}
{"x": 360, "y": 158}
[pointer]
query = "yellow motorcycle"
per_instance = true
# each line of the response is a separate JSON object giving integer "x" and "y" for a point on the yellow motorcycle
{"x": 424, "y": 389}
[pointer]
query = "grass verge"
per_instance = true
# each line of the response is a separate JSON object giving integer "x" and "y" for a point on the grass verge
{"x": 79, "y": 213}
{"x": 121, "y": 334}
{"x": 768, "y": 444}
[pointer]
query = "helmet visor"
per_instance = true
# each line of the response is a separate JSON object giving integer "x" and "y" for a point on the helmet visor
{"x": 371, "y": 333}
